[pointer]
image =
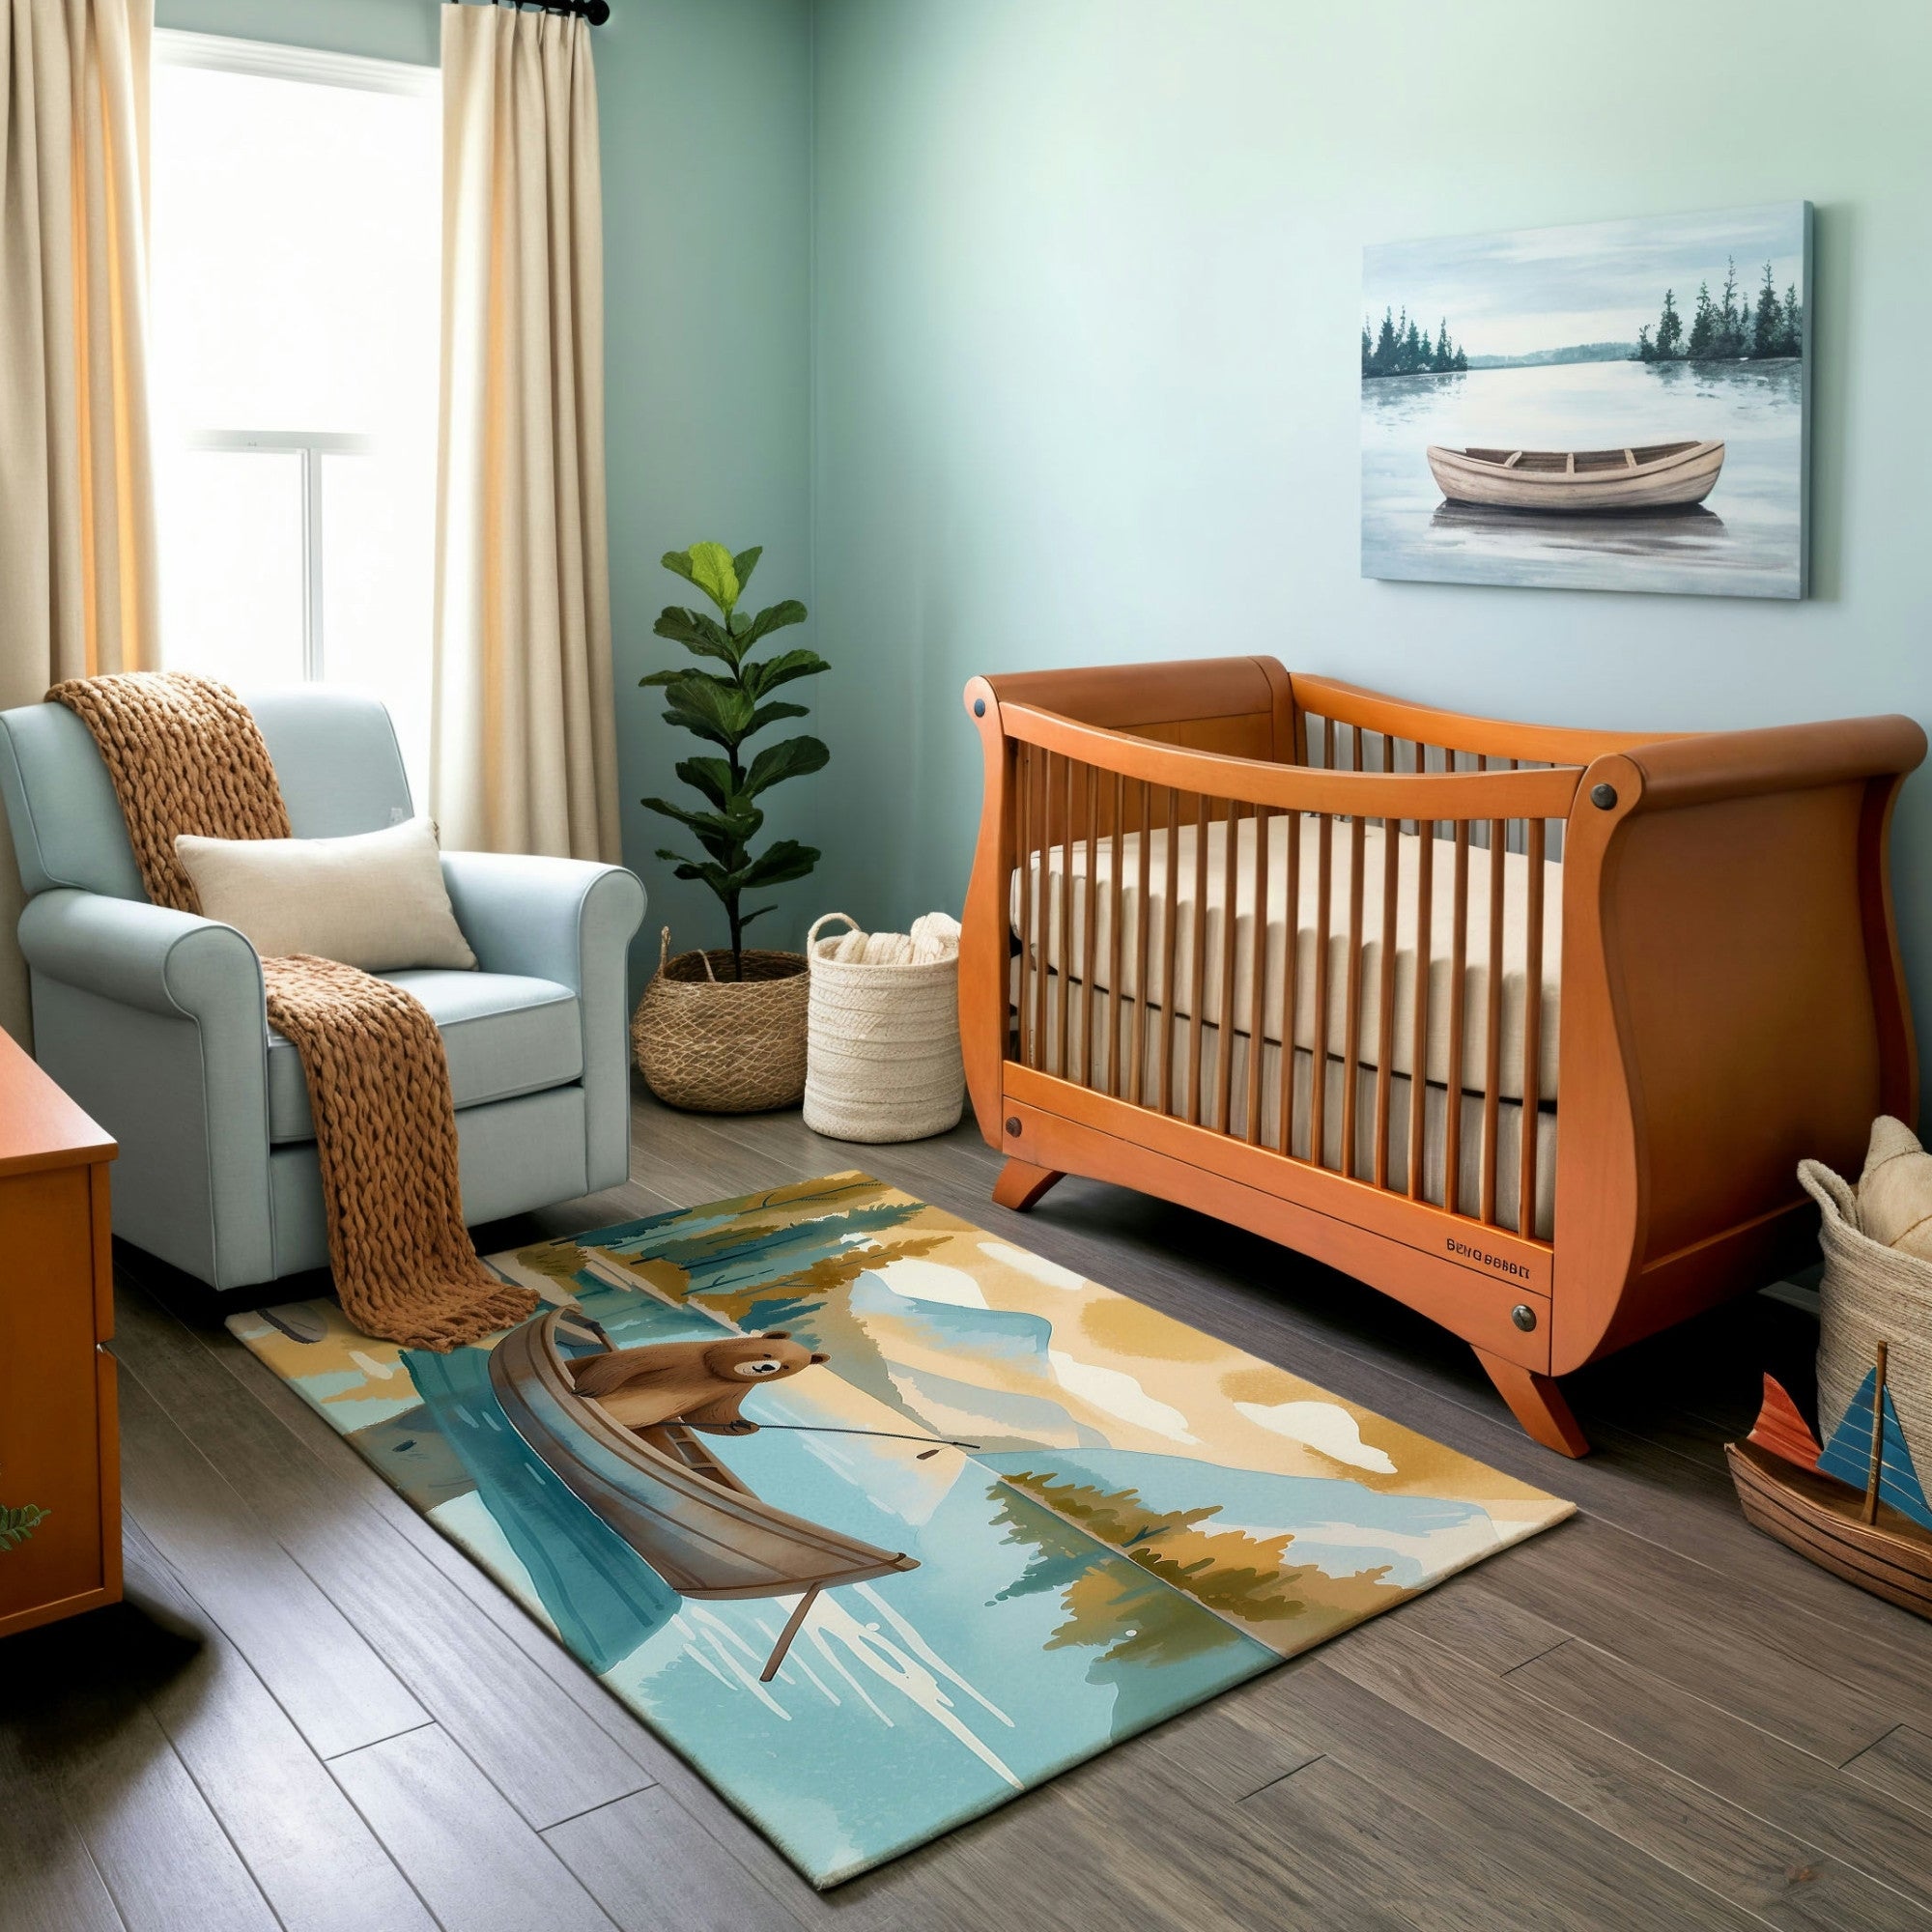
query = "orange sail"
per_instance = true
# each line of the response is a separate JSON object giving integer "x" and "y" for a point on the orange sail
{"x": 1782, "y": 1430}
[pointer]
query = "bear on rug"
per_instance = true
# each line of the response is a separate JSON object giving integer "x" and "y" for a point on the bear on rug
{"x": 698, "y": 1384}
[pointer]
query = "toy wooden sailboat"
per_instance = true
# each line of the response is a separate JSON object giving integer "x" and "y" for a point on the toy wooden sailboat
{"x": 1856, "y": 1507}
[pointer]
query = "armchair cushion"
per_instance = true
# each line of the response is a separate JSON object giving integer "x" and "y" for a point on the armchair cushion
{"x": 373, "y": 899}
{"x": 505, "y": 1034}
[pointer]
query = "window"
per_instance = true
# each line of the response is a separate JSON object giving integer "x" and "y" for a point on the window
{"x": 296, "y": 282}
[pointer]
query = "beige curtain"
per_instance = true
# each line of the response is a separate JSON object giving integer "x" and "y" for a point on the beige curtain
{"x": 524, "y": 752}
{"x": 76, "y": 484}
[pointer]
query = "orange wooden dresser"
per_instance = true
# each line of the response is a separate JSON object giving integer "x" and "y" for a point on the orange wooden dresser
{"x": 59, "y": 1441}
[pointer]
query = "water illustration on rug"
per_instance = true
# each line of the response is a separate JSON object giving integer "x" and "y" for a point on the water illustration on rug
{"x": 880, "y": 1520}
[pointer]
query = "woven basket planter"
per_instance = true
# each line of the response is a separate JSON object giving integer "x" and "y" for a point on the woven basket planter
{"x": 883, "y": 1061}
{"x": 718, "y": 1045}
{"x": 1870, "y": 1294}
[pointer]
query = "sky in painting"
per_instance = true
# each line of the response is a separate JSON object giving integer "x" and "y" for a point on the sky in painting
{"x": 1546, "y": 288}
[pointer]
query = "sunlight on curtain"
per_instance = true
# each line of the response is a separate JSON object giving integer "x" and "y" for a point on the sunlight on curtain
{"x": 525, "y": 757}
{"x": 76, "y": 512}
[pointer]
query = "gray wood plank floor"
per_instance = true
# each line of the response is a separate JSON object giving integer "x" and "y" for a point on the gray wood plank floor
{"x": 313, "y": 1713}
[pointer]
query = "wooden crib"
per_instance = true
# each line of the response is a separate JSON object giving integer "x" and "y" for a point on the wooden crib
{"x": 1699, "y": 970}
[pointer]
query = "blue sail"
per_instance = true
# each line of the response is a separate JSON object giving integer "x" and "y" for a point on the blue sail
{"x": 1848, "y": 1456}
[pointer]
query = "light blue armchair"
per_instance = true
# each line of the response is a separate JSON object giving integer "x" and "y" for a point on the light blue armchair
{"x": 153, "y": 1020}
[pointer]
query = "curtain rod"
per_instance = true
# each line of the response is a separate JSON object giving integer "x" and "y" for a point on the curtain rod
{"x": 596, "y": 11}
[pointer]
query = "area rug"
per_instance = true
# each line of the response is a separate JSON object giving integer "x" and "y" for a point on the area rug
{"x": 984, "y": 1517}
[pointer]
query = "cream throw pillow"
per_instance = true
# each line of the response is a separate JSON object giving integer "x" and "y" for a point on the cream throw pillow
{"x": 1896, "y": 1189}
{"x": 374, "y": 899}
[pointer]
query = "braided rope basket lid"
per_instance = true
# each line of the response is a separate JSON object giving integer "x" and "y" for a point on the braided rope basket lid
{"x": 1870, "y": 1294}
{"x": 717, "y": 1046}
{"x": 883, "y": 1060}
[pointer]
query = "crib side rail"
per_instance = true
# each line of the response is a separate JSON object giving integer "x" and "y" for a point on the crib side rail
{"x": 1469, "y": 794}
{"x": 1071, "y": 975}
{"x": 1364, "y": 721}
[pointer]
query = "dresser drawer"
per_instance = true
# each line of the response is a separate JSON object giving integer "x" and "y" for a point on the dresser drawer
{"x": 56, "y": 1397}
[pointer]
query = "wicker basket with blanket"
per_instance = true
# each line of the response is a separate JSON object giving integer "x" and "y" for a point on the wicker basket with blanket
{"x": 883, "y": 1060}
{"x": 1877, "y": 1286}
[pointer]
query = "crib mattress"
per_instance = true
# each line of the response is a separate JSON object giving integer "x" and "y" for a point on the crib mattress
{"x": 1204, "y": 1111}
{"x": 1178, "y": 897}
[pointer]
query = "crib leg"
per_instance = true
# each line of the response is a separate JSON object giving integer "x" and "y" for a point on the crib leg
{"x": 1021, "y": 1184}
{"x": 1537, "y": 1403}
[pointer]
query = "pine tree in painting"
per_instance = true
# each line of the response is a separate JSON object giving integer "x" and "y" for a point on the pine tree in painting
{"x": 1730, "y": 321}
{"x": 1385, "y": 349}
{"x": 1702, "y": 340}
{"x": 1669, "y": 329}
{"x": 1768, "y": 323}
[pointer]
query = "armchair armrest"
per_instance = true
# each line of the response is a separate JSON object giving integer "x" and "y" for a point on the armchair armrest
{"x": 138, "y": 954}
{"x": 541, "y": 917}
{"x": 153, "y": 1021}
{"x": 571, "y": 920}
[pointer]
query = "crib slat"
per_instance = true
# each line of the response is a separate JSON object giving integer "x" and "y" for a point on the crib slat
{"x": 1091, "y": 936}
{"x": 1204, "y": 812}
{"x": 1492, "y": 1041}
{"x": 1459, "y": 971}
{"x": 1351, "y": 994}
{"x": 1290, "y": 979}
{"x": 1532, "y": 1031}
{"x": 1224, "y": 1056}
{"x": 1142, "y": 931}
{"x": 1170, "y": 923}
{"x": 1258, "y": 981}
{"x": 1065, "y": 919}
{"x": 1317, "y": 1092}
{"x": 1023, "y": 882}
{"x": 1043, "y": 911}
{"x": 1385, "y": 1007}
{"x": 1418, "y": 1053}
{"x": 1116, "y": 939}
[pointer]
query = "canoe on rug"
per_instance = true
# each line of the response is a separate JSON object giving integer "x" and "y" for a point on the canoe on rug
{"x": 670, "y": 1499}
{"x": 1652, "y": 476}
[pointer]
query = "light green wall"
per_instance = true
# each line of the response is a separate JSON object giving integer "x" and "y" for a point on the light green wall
{"x": 1085, "y": 380}
{"x": 706, "y": 115}
{"x": 399, "y": 30}
{"x": 705, "y": 112}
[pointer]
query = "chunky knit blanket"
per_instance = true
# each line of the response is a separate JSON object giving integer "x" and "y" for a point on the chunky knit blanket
{"x": 185, "y": 756}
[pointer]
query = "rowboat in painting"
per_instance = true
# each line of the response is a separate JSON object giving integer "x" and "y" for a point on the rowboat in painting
{"x": 701, "y": 1528}
{"x": 1659, "y": 475}
{"x": 1854, "y": 1507}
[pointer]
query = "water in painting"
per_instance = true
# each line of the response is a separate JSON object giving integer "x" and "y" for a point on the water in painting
{"x": 1615, "y": 337}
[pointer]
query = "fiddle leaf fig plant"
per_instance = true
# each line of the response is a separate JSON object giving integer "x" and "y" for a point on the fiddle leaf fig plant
{"x": 728, "y": 709}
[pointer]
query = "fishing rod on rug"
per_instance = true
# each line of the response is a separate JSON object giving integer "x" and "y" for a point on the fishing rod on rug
{"x": 889, "y": 1435}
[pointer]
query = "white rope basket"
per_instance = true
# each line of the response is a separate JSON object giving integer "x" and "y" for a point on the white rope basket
{"x": 882, "y": 1035}
{"x": 1870, "y": 1294}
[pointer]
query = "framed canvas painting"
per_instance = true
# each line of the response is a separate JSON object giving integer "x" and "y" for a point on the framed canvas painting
{"x": 1619, "y": 406}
